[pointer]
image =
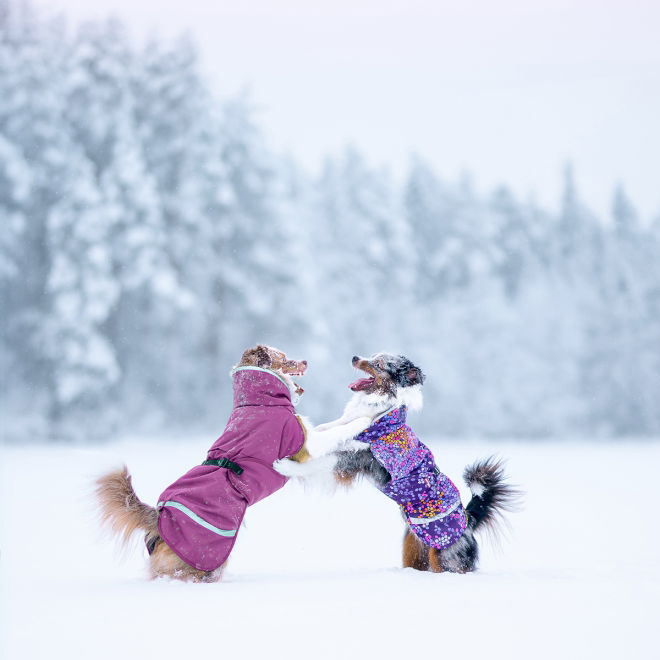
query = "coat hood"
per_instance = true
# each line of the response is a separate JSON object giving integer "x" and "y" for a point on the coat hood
{"x": 254, "y": 386}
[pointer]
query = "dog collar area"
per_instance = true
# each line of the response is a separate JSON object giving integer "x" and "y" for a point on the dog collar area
{"x": 266, "y": 371}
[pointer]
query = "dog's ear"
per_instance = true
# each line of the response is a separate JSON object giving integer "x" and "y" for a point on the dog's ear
{"x": 414, "y": 376}
{"x": 256, "y": 357}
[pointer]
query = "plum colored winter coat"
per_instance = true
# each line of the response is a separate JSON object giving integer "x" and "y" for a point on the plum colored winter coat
{"x": 200, "y": 513}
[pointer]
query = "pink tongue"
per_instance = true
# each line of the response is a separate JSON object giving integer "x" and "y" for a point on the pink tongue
{"x": 361, "y": 384}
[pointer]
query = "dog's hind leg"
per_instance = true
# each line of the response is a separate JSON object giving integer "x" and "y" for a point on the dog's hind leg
{"x": 462, "y": 556}
{"x": 415, "y": 553}
{"x": 164, "y": 562}
{"x": 435, "y": 563}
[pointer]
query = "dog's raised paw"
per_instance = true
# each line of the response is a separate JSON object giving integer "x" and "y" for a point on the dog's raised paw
{"x": 358, "y": 425}
{"x": 286, "y": 467}
{"x": 354, "y": 445}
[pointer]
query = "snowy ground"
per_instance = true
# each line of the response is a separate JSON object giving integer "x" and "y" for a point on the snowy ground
{"x": 316, "y": 576}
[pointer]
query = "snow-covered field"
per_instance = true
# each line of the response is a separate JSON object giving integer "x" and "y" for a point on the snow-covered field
{"x": 315, "y": 575}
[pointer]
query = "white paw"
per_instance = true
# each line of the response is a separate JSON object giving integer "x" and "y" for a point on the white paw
{"x": 286, "y": 467}
{"x": 355, "y": 445}
{"x": 323, "y": 427}
{"x": 358, "y": 425}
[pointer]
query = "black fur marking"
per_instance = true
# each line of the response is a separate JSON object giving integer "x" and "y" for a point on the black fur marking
{"x": 462, "y": 556}
{"x": 485, "y": 510}
{"x": 361, "y": 463}
{"x": 151, "y": 542}
{"x": 400, "y": 369}
{"x": 477, "y": 509}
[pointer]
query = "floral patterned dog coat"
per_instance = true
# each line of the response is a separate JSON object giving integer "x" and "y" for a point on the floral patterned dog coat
{"x": 429, "y": 500}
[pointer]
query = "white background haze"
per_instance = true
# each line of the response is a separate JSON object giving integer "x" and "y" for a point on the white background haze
{"x": 508, "y": 90}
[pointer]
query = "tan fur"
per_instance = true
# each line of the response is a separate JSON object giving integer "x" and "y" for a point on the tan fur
{"x": 415, "y": 553}
{"x": 256, "y": 357}
{"x": 121, "y": 508}
{"x": 267, "y": 357}
{"x": 302, "y": 455}
{"x": 382, "y": 381}
{"x": 125, "y": 513}
{"x": 344, "y": 479}
{"x": 165, "y": 562}
{"x": 434, "y": 560}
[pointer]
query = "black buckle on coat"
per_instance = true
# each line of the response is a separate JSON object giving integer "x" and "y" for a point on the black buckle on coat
{"x": 224, "y": 463}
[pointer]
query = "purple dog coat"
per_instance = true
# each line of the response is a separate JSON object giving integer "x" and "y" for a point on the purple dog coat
{"x": 201, "y": 512}
{"x": 428, "y": 499}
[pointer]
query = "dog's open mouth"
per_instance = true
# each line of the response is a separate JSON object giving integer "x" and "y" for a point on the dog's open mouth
{"x": 362, "y": 384}
{"x": 366, "y": 368}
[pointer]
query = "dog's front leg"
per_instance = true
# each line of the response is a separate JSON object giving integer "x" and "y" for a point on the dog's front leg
{"x": 289, "y": 468}
{"x": 337, "y": 422}
{"x": 329, "y": 440}
{"x": 353, "y": 410}
{"x": 320, "y": 446}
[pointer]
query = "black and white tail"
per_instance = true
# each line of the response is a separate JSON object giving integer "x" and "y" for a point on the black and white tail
{"x": 491, "y": 495}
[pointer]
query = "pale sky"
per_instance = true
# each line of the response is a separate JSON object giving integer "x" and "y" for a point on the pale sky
{"x": 507, "y": 90}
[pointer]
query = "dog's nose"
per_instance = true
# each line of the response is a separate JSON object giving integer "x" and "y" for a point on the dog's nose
{"x": 304, "y": 362}
{"x": 355, "y": 359}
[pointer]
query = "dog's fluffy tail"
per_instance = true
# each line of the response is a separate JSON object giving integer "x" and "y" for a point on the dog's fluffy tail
{"x": 491, "y": 495}
{"x": 121, "y": 509}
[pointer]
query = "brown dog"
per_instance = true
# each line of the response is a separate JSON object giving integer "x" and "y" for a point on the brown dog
{"x": 123, "y": 511}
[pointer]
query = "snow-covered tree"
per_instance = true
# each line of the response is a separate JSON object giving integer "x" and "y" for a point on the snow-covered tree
{"x": 148, "y": 235}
